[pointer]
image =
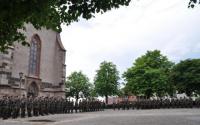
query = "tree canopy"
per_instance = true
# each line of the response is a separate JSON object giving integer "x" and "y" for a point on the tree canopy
{"x": 78, "y": 83}
{"x": 186, "y": 76}
{"x": 49, "y": 14}
{"x": 46, "y": 13}
{"x": 149, "y": 75}
{"x": 192, "y": 3}
{"x": 106, "y": 80}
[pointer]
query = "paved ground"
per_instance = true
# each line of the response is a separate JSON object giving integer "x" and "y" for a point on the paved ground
{"x": 110, "y": 117}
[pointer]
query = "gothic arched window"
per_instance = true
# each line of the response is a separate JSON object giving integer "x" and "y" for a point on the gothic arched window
{"x": 34, "y": 59}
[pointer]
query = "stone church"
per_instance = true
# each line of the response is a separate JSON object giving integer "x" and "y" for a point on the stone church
{"x": 38, "y": 70}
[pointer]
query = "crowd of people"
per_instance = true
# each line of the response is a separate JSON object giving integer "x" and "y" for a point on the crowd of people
{"x": 157, "y": 103}
{"x": 14, "y": 106}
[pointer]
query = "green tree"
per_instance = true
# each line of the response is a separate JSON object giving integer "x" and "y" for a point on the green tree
{"x": 124, "y": 92}
{"x": 149, "y": 75}
{"x": 78, "y": 83}
{"x": 90, "y": 93}
{"x": 192, "y": 3}
{"x": 186, "y": 76}
{"x": 106, "y": 80}
{"x": 50, "y": 14}
{"x": 46, "y": 13}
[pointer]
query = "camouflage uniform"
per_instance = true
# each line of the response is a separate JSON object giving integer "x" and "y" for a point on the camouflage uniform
{"x": 5, "y": 107}
{"x": 23, "y": 106}
{"x": 29, "y": 106}
{"x": 36, "y": 107}
{"x": 1, "y": 101}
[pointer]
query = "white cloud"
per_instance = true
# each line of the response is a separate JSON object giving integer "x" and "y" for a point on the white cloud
{"x": 124, "y": 34}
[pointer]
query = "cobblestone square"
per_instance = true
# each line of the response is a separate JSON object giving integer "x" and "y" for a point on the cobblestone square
{"x": 110, "y": 117}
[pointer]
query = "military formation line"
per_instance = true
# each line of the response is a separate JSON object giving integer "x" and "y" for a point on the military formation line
{"x": 157, "y": 104}
{"x": 14, "y": 107}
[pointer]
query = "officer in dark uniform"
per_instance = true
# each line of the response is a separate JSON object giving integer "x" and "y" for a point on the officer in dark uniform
{"x": 9, "y": 106}
{"x": 172, "y": 103}
{"x": 71, "y": 106}
{"x": 23, "y": 106}
{"x": 36, "y": 106}
{"x": 51, "y": 105}
{"x": 84, "y": 106}
{"x": 114, "y": 105}
{"x": 198, "y": 103}
{"x": 14, "y": 112}
{"x": 76, "y": 106}
{"x": 63, "y": 105}
{"x": 1, "y": 101}
{"x": 5, "y": 107}
{"x": 17, "y": 107}
{"x": 57, "y": 106}
{"x": 118, "y": 105}
{"x": 80, "y": 106}
{"x": 41, "y": 106}
{"x": 48, "y": 105}
{"x": 137, "y": 104}
{"x": 45, "y": 101}
{"x": 67, "y": 106}
{"x": 29, "y": 106}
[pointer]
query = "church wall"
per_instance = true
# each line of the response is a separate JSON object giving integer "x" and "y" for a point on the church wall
{"x": 51, "y": 62}
{"x": 6, "y": 90}
{"x": 58, "y": 63}
{"x": 47, "y": 57}
{"x": 47, "y": 63}
{"x": 20, "y": 59}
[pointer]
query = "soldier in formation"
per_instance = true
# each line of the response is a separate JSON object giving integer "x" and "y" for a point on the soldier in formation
{"x": 14, "y": 106}
{"x": 90, "y": 106}
{"x": 158, "y": 103}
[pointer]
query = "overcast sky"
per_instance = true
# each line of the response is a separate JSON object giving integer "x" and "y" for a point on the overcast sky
{"x": 124, "y": 34}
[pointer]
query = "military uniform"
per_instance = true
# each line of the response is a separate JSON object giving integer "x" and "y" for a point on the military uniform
{"x": 23, "y": 107}
{"x": 5, "y": 107}
{"x": 18, "y": 107}
{"x": 29, "y": 106}
{"x": 114, "y": 106}
{"x": 36, "y": 107}
{"x": 1, "y": 101}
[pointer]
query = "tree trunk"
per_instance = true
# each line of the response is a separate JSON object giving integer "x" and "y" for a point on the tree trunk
{"x": 148, "y": 96}
{"x": 106, "y": 99}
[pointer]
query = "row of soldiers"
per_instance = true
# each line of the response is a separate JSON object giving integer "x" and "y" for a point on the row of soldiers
{"x": 157, "y": 104}
{"x": 14, "y": 106}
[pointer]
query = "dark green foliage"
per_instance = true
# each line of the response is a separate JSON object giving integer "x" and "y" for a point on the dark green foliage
{"x": 186, "y": 76}
{"x": 46, "y": 13}
{"x": 78, "y": 83}
{"x": 192, "y": 3}
{"x": 149, "y": 75}
{"x": 106, "y": 80}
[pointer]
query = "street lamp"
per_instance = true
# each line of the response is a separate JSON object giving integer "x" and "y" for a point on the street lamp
{"x": 20, "y": 81}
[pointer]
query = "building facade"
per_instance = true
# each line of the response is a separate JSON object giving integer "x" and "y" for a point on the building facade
{"x": 42, "y": 65}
